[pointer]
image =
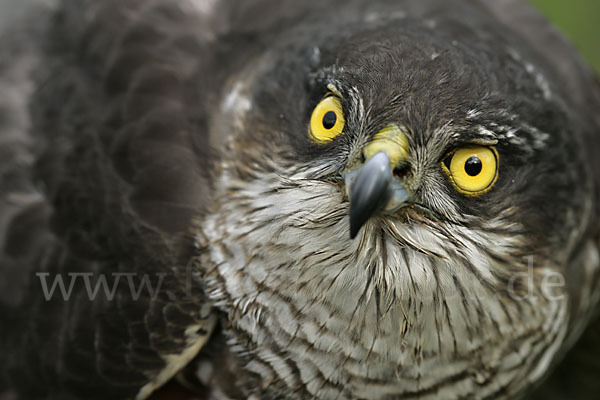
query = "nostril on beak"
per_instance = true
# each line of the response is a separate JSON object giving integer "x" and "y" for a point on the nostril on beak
{"x": 401, "y": 172}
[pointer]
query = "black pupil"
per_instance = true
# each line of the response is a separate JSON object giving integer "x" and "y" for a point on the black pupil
{"x": 473, "y": 166}
{"x": 329, "y": 120}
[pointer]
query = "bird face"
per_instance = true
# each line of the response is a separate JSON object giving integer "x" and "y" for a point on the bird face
{"x": 410, "y": 127}
{"x": 384, "y": 192}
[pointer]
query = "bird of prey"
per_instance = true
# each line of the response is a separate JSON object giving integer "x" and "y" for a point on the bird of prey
{"x": 282, "y": 199}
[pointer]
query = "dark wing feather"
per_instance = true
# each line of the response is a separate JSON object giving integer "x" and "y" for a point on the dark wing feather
{"x": 103, "y": 176}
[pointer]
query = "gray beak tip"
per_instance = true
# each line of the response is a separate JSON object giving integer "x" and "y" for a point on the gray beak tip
{"x": 369, "y": 191}
{"x": 355, "y": 225}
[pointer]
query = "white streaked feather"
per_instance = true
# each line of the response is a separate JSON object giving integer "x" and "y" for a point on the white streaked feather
{"x": 175, "y": 362}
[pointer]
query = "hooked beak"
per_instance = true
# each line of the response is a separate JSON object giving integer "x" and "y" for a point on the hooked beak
{"x": 372, "y": 188}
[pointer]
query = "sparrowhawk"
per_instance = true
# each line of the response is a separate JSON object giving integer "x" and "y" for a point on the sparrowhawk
{"x": 338, "y": 199}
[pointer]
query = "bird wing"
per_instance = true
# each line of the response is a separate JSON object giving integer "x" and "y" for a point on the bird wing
{"x": 103, "y": 167}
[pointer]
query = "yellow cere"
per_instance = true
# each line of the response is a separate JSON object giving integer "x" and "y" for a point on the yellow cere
{"x": 327, "y": 120}
{"x": 390, "y": 140}
{"x": 473, "y": 169}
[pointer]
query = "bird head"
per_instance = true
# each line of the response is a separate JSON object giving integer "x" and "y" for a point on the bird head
{"x": 414, "y": 130}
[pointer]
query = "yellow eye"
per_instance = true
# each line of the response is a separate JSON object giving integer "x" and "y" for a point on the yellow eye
{"x": 327, "y": 120}
{"x": 472, "y": 169}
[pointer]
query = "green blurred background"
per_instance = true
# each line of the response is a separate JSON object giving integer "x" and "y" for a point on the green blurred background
{"x": 579, "y": 20}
